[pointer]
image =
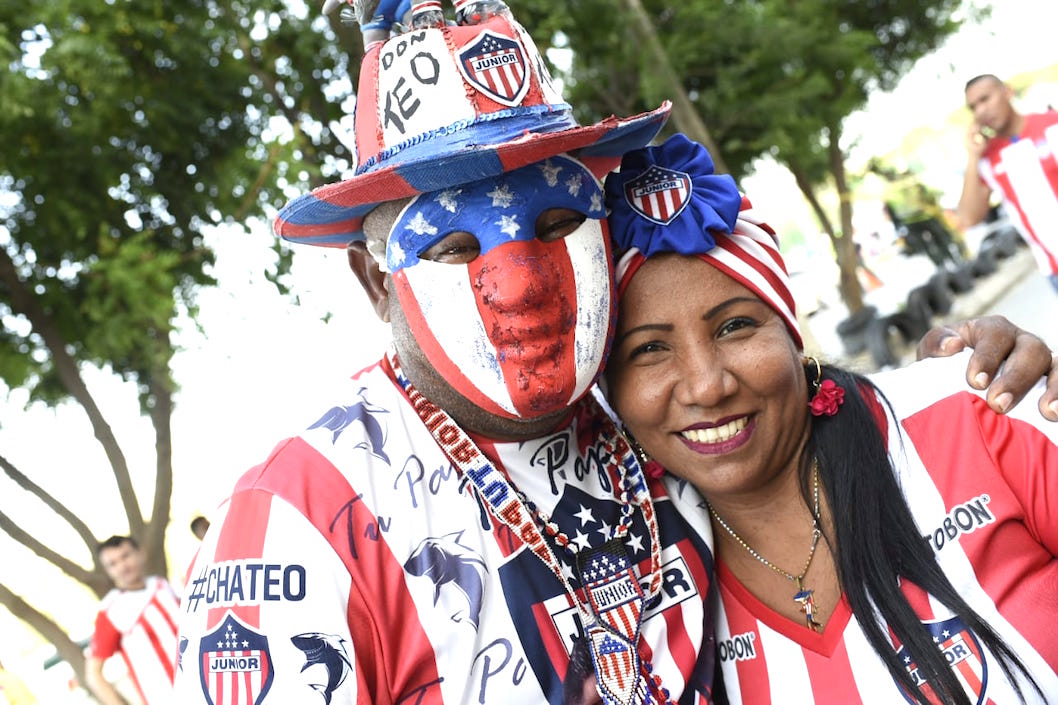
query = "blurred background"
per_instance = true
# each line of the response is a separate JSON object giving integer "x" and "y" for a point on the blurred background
{"x": 156, "y": 340}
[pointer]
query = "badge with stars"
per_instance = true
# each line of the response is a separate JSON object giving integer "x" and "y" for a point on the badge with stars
{"x": 963, "y": 653}
{"x": 496, "y": 66}
{"x": 659, "y": 194}
{"x": 616, "y": 599}
{"x": 234, "y": 664}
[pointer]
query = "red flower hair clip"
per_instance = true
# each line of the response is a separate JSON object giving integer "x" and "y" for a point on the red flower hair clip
{"x": 828, "y": 397}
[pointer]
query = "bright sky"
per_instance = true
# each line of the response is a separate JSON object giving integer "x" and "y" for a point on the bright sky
{"x": 1018, "y": 37}
{"x": 255, "y": 374}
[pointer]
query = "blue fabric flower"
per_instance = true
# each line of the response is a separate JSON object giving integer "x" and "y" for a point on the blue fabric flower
{"x": 667, "y": 199}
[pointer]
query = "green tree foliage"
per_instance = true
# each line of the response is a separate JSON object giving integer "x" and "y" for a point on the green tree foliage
{"x": 768, "y": 77}
{"x": 130, "y": 127}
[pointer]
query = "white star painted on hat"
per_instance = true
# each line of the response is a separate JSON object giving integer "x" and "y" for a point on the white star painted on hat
{"x": 447, "y": 199}
{"x": 604, "y": 529}
{"x": 490, "y": 44}
{"x": 585, "y": 515}
{"x": 550, "y": 172}
{"x": 582, "y": 540}
{"x": 420, "y": 226}
{"x": 509, "y": 225}
{"x": 398, "y": 252}
{"x": 501, "y": 196}
{"x": 596, "y": 202}
{"x": 567, "y": 573}
{"x": 573, "y": 184}
{"x": 635, "y": 542}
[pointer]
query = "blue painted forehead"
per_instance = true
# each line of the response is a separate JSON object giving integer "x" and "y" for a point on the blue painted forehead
{"x": 495, "y": 211}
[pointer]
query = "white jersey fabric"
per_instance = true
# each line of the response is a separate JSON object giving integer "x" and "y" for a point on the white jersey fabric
{"x": 1024, "y": 170}
{"x": 141, "y": 626}
{"x": 355, "y": 566}
{"x": 983, "y": 489}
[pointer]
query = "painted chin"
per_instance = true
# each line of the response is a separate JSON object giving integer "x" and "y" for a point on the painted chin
{"x": 721, "y": 446}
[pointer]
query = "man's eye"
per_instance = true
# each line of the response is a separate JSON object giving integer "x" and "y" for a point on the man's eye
{"x": 556, "y": 223}
{"x": 454, "y": 248}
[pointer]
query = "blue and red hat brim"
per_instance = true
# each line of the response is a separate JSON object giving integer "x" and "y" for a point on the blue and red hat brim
{"x": 333, "y": 215}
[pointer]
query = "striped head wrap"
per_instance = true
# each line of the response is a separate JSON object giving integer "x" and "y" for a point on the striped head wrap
{"x": 667, "y": 199}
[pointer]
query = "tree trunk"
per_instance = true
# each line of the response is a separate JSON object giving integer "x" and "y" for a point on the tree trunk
{"x": 68, "y": 649}
{"x": 685, "y": 116}
{"x": 848, "y": 258}
{"x": 161, "y": 419}
{"x": 23, "y": 301}
{"x": 809, "y": 192}
{"x": 847, "y": 279}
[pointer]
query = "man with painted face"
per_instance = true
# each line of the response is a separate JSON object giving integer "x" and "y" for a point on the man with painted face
{"x": 465, "y": 513}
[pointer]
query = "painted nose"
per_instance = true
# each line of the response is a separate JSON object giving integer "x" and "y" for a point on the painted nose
{"x": 521, "y": 275}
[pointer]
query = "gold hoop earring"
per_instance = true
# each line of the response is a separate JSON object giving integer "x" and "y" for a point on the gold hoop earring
{"x": 818, "y": 378}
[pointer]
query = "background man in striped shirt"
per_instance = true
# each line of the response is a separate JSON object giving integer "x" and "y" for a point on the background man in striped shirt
{"x": 136, "y": 619}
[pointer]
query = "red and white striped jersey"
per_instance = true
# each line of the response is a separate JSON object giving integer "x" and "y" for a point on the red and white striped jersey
{"x": 1024, "y": 170}
{"x": 356, "y": 565}
{"x": 141, "y": 626}
{"x": 983, "y": 489}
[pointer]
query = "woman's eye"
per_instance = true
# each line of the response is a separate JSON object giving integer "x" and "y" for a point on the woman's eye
{"x": 454, "y": 248}
{"x": 734, "y": 325}
{"x": 644, "y": 349}
{"x": 556, "y": 223}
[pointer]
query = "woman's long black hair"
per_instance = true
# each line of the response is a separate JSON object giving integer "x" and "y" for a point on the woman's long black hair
{"x": 876, "y": 543}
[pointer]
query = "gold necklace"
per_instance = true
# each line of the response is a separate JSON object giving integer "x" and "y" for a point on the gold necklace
{"x": 803, "y": 596}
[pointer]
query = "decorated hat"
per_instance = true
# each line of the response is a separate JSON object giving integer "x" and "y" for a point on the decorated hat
{"x": 666, "y": 199}
{"x": 442, "y": 106}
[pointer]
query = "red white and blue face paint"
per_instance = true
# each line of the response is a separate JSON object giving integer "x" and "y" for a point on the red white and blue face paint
{"x": 523, "y": 329}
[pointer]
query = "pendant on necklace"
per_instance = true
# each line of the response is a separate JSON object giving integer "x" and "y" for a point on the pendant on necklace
{"x": 804, "y": 598}
{"x": 616, "y": 600}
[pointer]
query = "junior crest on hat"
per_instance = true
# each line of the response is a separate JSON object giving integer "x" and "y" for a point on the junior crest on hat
{"x": 444, "y": 106}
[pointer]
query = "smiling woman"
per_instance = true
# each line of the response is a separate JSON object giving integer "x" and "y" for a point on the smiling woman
{"x": 819, "y": 488}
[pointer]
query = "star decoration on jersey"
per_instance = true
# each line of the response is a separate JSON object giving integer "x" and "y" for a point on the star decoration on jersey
{"x": 585, "y": 515}
{"x": 589, "y": 521}
{"x": 231, "y": 640}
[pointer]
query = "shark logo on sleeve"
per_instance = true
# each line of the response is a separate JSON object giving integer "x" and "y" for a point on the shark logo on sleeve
{"x": 456, "y": 569}
{"x": 326, "y": 660}
{"x": 339, "y": 418}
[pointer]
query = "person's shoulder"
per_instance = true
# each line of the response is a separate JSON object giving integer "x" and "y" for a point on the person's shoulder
{"x": 359, "y": 412}
{"x": 108, "y": 600}
{"x": 925, "y": 382}
{"x": 1038, "y": 122}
